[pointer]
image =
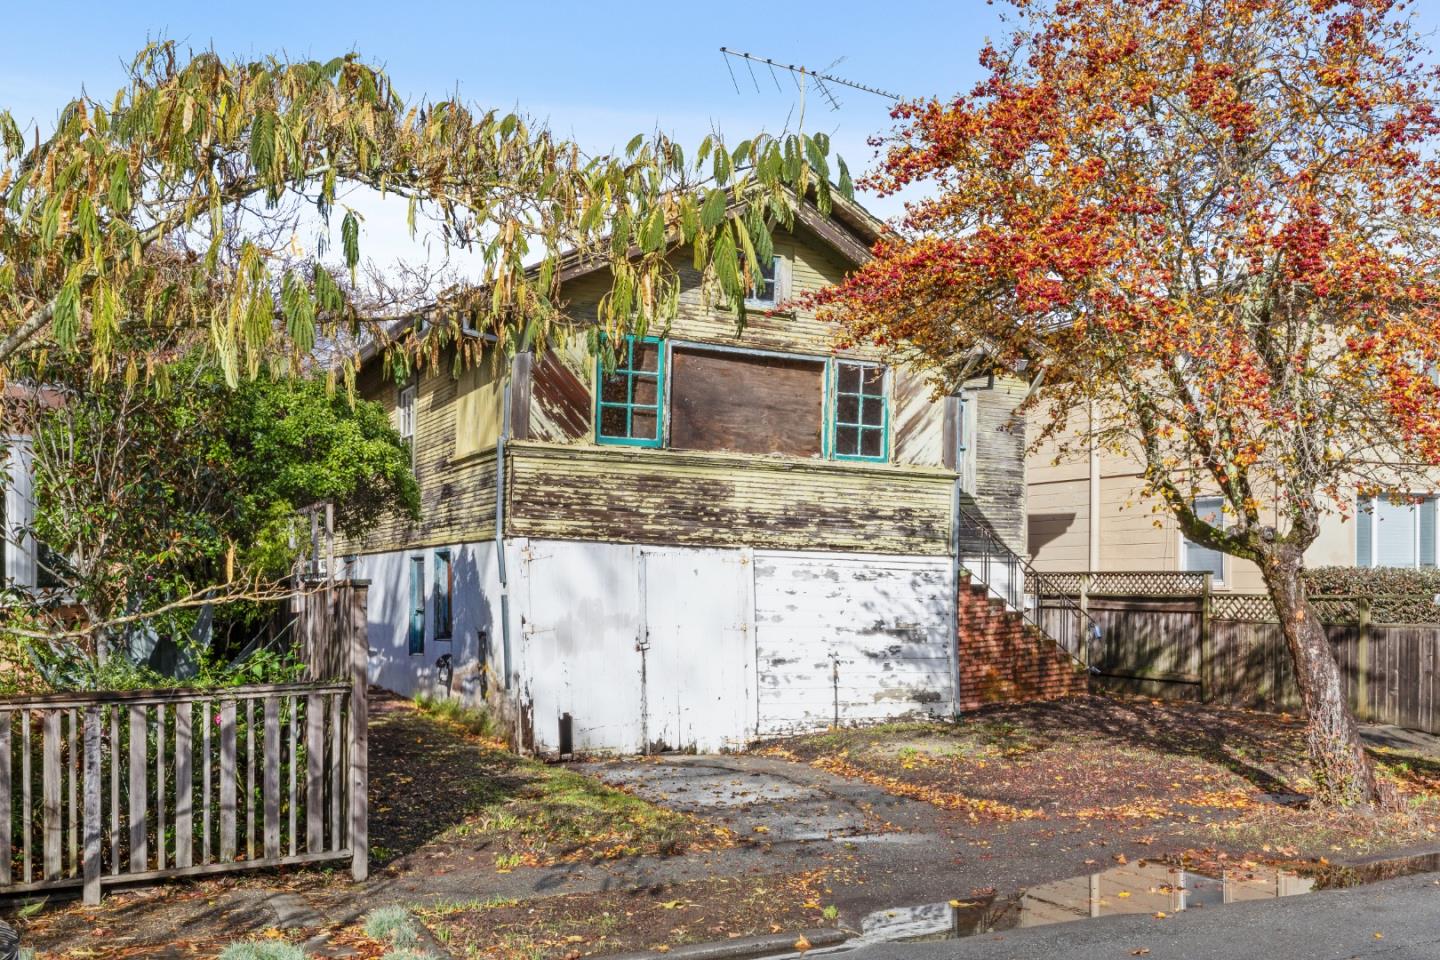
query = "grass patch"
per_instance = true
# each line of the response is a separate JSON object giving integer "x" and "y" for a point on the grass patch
{"x": 262, "y": 950}
{"x": 471, "y": 720}
{"x": 519, "y": 811}
{"x": 392, "y": 925}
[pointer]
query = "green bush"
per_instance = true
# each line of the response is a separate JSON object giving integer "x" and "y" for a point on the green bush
{"x": 262, "y": 950}
{"x": 407, "y": 955}
{"x": 1372, "y": 581}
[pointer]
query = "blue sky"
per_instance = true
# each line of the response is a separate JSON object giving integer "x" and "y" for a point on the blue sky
{"x": 598, "y": 71}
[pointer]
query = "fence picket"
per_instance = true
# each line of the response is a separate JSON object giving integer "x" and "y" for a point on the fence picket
{"x": 7, "y": 719}
{"x": 160, "y": 786}
{"x": 115, "y": 789}
{"x": 184, "y": 787}
{"x": 337, "y": 840}
{"x": 249, "y": 779}
{"x": 271, "y": 756}
{"x": 294, "y": 763}
{"x": 139, "y": 846}
{"x": 227, "y": 781}
{"x": 73, "y": 765}
{"x": 93, "y": 748}
{"x": 50, "y": 792}
{"x": 314, "y": 773}
{"x": 25, "y": 773}
{"x": 205, "y": 835}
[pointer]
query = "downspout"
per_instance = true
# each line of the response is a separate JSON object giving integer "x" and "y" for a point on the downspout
{"x": 955, "y": 559}
{"x": 500, "y": 536}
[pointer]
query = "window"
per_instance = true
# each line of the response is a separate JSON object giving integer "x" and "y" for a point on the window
{"x": 1396, "y": 532}
{"x": 630, "y": 406}
{"x": 444, "y": 586}
{"x": 767, "y": 289}
{"x": 859, "y": 414}
{"x": 405, "y": 419}
{"x": 416, "y": 638}
{"x": 1197, "y": 558}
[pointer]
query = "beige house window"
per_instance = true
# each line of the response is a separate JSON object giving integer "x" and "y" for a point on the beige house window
{"x": 1200, "y": 559}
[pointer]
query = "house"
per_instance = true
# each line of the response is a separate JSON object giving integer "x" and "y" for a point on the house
{"x": 1086, "y": 511}
{"x": 727, "y": 536}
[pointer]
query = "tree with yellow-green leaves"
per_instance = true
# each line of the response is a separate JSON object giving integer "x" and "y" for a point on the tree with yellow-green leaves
{"x": 181, "y": 203}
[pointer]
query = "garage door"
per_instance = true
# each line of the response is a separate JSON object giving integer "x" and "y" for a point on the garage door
{"x": 850, "y": 639}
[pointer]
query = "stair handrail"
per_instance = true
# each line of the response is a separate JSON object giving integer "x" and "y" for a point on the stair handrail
{"x": 981, "y": 546}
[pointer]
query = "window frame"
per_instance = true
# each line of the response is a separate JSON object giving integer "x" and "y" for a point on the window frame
{"x": 832, "y": 410}
{"x": 662, "y": 394}
{"x": 1369, "y": 504}
{"x": 442, "y": 598}
{"x": 1185, "y": 542}
{"x": 407, "y": 398}
{"x": 776, "y": 271}
{"x": 419, "y": 609}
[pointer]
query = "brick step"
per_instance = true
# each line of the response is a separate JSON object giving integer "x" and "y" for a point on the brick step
{"x": 1004, "y": 658}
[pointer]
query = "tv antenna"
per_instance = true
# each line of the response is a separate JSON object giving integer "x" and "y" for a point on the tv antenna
{"x": 822, "y": 78}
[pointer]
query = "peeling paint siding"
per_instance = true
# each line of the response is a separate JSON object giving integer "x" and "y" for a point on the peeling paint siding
{"x": 919, "y": 420}
{"x": 999, "y": 489}
{"x": 715, "y": 499}
{"x": 457, "y": 494}
{"x": 642, "y": 647}
{"x": 866, "y": 638}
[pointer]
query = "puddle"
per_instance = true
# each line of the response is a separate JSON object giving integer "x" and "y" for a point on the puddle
{"x": 1141, "y": 887}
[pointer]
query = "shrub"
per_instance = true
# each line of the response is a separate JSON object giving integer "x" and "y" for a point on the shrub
{"x": 393, "y": 924}
{"x": 262, "y": 950}
{"x": 1372, "y": 581}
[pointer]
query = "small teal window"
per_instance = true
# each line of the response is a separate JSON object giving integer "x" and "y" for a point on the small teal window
{"x": 444, "y": 586}
{"x": 860, "y": 413}
{"x": 629, "y": 406}
{"x": 416, "y": 637}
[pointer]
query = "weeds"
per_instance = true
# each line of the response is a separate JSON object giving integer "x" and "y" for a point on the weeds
{"x": 392, "y": 924}
{"x": 262, "y": 950}
{"x": 469, "y": 719}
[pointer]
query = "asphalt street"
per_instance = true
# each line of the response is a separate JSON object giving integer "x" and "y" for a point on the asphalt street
{"x": 1394, "y": 920}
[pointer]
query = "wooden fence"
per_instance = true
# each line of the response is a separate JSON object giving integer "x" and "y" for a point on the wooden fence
{"x": 1170, "y": 635}
{"x": 102, "y": 788}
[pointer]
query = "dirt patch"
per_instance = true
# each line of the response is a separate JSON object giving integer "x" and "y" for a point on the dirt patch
{"x": 1231, "y": 779}
{"x": 659, "y": 917}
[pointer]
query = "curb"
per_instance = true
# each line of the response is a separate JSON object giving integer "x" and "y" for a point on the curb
{"x": 742, "y": 948}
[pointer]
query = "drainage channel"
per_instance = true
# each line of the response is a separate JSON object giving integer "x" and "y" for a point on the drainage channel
{"x": 1142, "y": 887}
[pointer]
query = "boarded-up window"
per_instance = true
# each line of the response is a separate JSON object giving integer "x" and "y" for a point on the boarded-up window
{"x": 479, "y": 406}
{"x": 745, "y": 403}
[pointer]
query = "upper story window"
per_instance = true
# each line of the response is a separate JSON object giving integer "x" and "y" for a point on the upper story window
{"x": 405, "y": 418}
{"x": 1197, "y": 558}
{"x": 767, "y": 285}
{"x": 860, "y": 419}
{"x": 1396, "y": 532}
{"x": 630, "y": 402}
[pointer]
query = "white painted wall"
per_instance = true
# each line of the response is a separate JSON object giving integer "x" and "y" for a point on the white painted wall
{"x": 19, "y": 548}
{"x": 475, "y": 608}
{"x": 680, "y": 648}
{"x": 862, "y": 637}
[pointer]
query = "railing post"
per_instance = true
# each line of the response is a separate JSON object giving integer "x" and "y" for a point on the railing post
{"x": 356, "y": 628}
{"x": 1207, "y": 652}
{"x": 1362, "y": 659}
{"x": 91, "y": 867}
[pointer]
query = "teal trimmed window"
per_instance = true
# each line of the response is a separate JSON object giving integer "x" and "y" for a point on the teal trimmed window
{"x": 630, "y": 404}
{"x": 859, "y": 412}
{"x": 416, "y": 636}
{"x": 444, "y": 588}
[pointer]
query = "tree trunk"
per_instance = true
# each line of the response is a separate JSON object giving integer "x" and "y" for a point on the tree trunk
{"x": 1343, "y": 772}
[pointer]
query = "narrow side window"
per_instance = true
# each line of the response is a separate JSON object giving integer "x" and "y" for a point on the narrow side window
{"x": 416, "y": 638}
{"x": 444, "y": 585}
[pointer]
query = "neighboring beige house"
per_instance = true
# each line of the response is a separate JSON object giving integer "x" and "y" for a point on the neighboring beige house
{"x": 1086, "y": 512}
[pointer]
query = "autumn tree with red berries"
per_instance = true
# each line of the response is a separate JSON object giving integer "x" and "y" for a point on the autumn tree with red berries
{"x": 1217, "y": 222}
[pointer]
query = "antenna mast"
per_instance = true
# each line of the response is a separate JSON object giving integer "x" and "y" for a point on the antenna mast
{"x": 820, "y": 77}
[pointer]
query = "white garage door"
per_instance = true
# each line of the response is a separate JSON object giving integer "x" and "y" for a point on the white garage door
{"x": 851, "y": 639}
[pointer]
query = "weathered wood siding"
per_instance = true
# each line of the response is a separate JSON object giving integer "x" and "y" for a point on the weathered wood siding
{"x": 629, "y": 495}
{"x": 457, "y": 492}
{"x": 999, "y": 452}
